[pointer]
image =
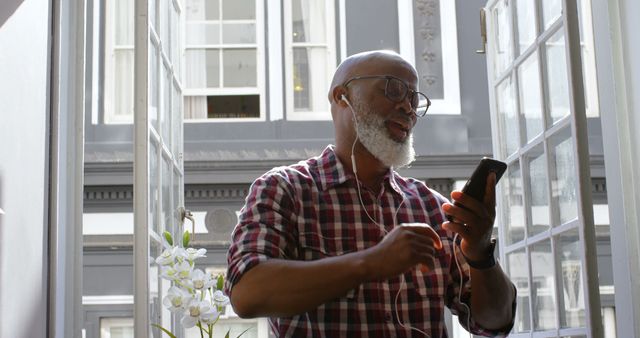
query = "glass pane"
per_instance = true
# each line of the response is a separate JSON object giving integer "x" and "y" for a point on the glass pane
{"x": 551, "y": 11}
{"x": 238, "y": 33}
{"x": 155, "y": 291}
{"x": 154, "y": 193}
{"x": 166, "y": 212}
{"x": 164, "y": 23}
{"x": 124, "y": 22}
{"x": 240, "y": 69}
{"x": 530, "y": 97}
{"x": 238, "y": 9}
{"x": 123, "y": 85}
{"x": 231, "y": 106}
{"x": 176, "y": 191}
{"x": 198, "y": 10}
{"x": 517, "y": 267}
{"x": 175, "y": 43}
{"x": 543, "y": 290}
{"x": 526, "y": 23}
{"x": 116, "y": 328}
{"x": 203, "y": 33}
{"x": 308, "y": 21}
{"x": 557, "y": 80}
{"x": 503, "y": 38}
{"x": 507, "y": 118}
{"x": 572, "y": 291}
{"x": 537, "y": 191}
{"x": 203, "y": 68}
{"x": 153, "y": 86}
{"x": 513, "y": 204}
{"x": 310, "y": 79}
{"x": 153, "y": 14}
{"x": 166, "y": 107}
{"x": 564, "y": 183}
{"x": 176, "y": 122}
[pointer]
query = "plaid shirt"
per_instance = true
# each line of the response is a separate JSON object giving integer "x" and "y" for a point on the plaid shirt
{"x": 311, "y": 210}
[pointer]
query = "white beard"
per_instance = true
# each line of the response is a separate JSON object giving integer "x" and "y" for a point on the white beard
{"x": 374, "y": 136}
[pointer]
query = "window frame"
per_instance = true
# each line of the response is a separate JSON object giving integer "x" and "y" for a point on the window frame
{"x": 261, "y": 84}
{"x": 331, "y": 46}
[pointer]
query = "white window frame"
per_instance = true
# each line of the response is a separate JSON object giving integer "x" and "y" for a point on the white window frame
{"x": 330, "y": 45}
{"x": 450, "y": 104}
{"x": 260, "y": 88}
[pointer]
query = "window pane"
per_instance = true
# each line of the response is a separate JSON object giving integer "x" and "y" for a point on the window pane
{"x": 164, "y": 23}
{"x": 310, "y": 79}
{"x": 557, "y": 79}
{"x": 198, "y": 10}
{"x": 507, "y": 118}
{"x": 551, "y": 11}
{"x": 240, "y": 69}
{"x": 239, "y": 33}
{"x": 176, "y": 118}
{"x": 166, "y": 211}
{"x": 238, "y": 9}
{"x": 537, "y": 190}
{"x": 116, "y": 328}
{"x": 153, "y": 86}
{"x": 308, "y": 21}
{"x": 123, "y": 84}
{"x": 513, "y": 204}
{"x": 572, "y": 300}
{"x": 543, "y": 292}
{"x": 203, "y": 33}
{"x": 530, "y": 98}
{"x": 233, "y": 106}
{"x": 154, "y": 193}
{"x": 124, "y": 24}
{"x": 153, "y": 13}
{"x": 526, "y": 23}
{"x": 563, "y": 178}
{"x": 504, "y": 50}
{"x": 517, "y": 266}
{"x": 203, "y": 68}
{"x": 166, "y": 107}
{"x": 176, "y": 50}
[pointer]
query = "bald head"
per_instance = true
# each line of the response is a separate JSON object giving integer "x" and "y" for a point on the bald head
{"x": 366, "y": 63}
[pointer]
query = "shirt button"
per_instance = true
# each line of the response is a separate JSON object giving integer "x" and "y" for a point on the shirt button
{"x": 387, "y": 317}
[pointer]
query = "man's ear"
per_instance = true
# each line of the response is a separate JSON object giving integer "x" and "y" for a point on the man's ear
{"x": 337, "y": 94}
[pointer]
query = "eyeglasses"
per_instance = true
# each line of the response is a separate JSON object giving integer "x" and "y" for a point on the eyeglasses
{"x": 397, "y": 90}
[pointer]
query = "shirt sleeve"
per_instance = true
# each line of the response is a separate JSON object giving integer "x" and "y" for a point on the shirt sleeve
{"x": 264, "y": 228}
{"x": 459, "y": 297}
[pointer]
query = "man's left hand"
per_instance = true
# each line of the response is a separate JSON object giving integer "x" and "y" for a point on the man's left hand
{"x": 473, "y": 220}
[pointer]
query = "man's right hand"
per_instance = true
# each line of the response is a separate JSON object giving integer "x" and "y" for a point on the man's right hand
{"x": 402, "y": 249}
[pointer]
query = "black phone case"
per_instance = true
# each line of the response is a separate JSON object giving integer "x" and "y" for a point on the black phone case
{"x": 475, "y": 186}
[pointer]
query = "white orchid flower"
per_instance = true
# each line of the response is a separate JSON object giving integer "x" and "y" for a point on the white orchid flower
{"x": 176, "y": 299}
{"x": 198, "y": 311}
{"x": 220, "y": 299}
{"x": 167, "y": 257}
{"x": 193, "y": 254}
{"x": 177, "y": 272}
{"x": 201, "y": 280}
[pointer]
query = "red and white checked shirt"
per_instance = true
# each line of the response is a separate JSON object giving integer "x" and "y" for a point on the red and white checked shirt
{"x": 311, "y": 210}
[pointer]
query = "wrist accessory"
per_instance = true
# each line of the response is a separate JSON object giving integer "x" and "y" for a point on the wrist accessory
{"x": 486, "y": 263}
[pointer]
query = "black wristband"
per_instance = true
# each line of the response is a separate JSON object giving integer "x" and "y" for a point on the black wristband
{"x": 488, "y": 262}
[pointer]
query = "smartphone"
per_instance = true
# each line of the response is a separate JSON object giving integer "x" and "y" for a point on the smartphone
{"x": 475, "y": 186}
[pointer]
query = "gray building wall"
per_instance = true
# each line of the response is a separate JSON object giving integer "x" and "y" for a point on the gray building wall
{"x": 24, "y": 31}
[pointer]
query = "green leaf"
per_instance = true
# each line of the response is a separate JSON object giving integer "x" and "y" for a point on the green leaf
{"x": 227, "y": 335}
{"x": 167, "y": 236}
{"x": 220, "y": 283}
{"x": 243, "y": 332}
{"x": 186, "y": 238}
{"x": 164, "y": 330}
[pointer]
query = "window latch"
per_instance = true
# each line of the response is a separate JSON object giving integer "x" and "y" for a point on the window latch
{"x": 483, "y": 32}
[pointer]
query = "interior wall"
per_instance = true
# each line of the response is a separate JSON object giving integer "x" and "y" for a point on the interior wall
{"x": 24, "y": 29}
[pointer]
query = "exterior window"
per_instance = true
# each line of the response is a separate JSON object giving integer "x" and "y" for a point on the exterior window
{"x": 223, "y": 70}
{"x": 310, "y": 57}
{"x": 118, "y": 62}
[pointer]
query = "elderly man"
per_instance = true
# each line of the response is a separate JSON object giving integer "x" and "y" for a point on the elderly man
{"x": 341, "y": 245}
